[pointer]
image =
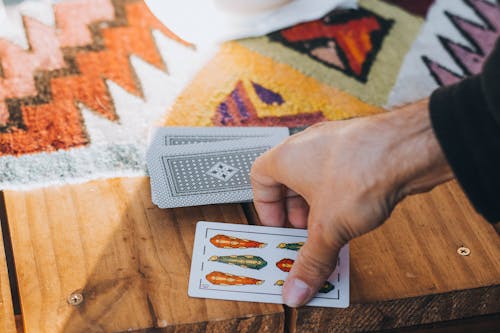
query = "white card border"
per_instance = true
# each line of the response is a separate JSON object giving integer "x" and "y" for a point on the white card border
{"x": 194, "y": 289}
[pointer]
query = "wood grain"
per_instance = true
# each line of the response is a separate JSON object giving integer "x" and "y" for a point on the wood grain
{"x": 129, "y": 260}
{"x": 408, "y": 271}
{"x": 7, "y": 319}
{"x": 415, "y": 252}
{"x": 390, "y": 314}
{"x": 482, "y": 324}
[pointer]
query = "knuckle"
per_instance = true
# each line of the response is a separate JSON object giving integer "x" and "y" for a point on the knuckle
{"x": 274, "y": 161}
{"x": 327, "y": 233}
{"x": 281, "y": 151}
{"x": 260, "y": 166}
{"x": 313, "y": 266}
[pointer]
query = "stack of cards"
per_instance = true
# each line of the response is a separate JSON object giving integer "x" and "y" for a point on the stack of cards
{"x": 250, "y": 263}
{"x": 192, "y": 166}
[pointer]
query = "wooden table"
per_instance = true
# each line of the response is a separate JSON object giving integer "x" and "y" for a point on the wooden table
{"x": 100, "y": 257}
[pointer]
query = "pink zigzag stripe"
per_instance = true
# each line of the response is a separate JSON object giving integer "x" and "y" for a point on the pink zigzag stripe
{"x": 19, "y": 66}
{"x": 484, "y": 37}
{"x": 73, "y": 19}
{"x": 490, "y": 11}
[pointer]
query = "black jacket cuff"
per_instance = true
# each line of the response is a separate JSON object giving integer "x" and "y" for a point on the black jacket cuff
{"x": 470, "y": 138}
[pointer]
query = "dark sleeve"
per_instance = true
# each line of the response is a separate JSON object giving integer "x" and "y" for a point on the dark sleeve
{"x": 466, "y": 119}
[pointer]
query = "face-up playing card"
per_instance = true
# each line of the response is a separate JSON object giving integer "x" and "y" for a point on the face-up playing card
{"x": 171, "y": 136}
{"x": 201, "y": 174}
{"x": 251, "y": 263}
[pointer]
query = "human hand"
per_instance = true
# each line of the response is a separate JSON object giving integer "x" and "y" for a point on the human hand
{"x": 341, "y": 180}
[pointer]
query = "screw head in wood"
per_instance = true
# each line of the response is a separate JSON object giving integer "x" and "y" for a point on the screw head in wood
{"x": 463, "y": 251}
{"x": 75, "y": 298}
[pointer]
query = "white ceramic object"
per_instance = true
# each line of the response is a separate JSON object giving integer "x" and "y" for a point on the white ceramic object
{"x": 3, "y": 15}
{"x": 202, "y": 22}
{"x": 249, "y": 6}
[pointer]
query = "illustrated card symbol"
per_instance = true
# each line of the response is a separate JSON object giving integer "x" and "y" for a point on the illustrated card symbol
{"x": 226, "y": 279}
{"x": 325, "y": 289}
{"x": 222, "y": 171}
{"x": 290, "y": 246}
{"x": 285, "y": 264}
{"x": 245, "y": 261}
{"x": 228, "y": 242}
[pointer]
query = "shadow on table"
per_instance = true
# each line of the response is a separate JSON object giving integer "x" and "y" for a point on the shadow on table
{"x": 140, "y": 274}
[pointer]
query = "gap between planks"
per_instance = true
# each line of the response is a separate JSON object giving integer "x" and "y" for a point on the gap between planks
{"x": 9, "y": 297}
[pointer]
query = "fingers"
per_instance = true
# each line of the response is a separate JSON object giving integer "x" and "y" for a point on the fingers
{"x": 315, "y": 262}
{"x": 297, "y": 209}
{"x": 273, "y": 202}
{"x": 268, "y": 195}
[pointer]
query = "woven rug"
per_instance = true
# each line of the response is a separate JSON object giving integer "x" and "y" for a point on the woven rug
{"x": 83, "y": 82}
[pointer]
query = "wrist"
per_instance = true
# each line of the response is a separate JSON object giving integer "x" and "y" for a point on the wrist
{"x": 422, "y": 164}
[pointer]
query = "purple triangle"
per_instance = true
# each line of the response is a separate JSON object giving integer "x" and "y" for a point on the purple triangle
{"x": 489, "y": 11}
{"x": 469, "y": 61}
{"x": 480, "y": 36}
{"x": 442, "y": 75}
{"x": 237, "y": 97}
{"x": 267, "y": 96}
{"x": 223, "y": 109}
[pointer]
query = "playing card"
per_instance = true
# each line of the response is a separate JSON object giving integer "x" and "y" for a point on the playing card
{"x": 250, "y": 263}
{"x": 207, "y": 173}
{"x": 172, "y": 136}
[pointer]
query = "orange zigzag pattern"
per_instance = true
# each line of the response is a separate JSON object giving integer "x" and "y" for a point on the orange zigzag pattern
{"x": 51, "y": 120}
{"x": 19, "y": 65}
{"x": 45, "y": 54}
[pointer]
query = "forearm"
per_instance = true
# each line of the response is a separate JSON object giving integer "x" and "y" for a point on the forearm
{"x": 407, "y": 145}
{"x": 422, "y": 162}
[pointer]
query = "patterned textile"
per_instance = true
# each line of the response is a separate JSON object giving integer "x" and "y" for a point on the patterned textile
{"x": 83, "y": 82}
{"x": 453, "y": 43}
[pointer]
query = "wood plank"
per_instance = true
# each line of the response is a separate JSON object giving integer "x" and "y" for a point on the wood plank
{"x": 482, "y": 324}
{"x": 415, "y": 252}
{"x": 7, "y": 319}
{"x": 129, "y": 260}
{"x": 19, "y": 324}
{"x": 391, "y": 314}
{"x": 408, "y": 272}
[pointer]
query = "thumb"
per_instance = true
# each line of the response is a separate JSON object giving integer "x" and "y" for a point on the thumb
{"x": 315, "y": 262}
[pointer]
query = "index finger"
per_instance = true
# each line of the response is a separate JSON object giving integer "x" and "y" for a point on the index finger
{"x": 268, "y": 193}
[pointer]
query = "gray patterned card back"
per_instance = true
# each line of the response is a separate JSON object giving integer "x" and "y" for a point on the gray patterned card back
{"x": 201, "y": 174}
{"x": 172, "y": 136}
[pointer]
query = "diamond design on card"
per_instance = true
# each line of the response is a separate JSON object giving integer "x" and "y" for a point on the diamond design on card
{"x": 222, "y": 171}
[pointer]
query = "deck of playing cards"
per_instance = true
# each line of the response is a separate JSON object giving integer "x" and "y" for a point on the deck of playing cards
{"x": 192, "y": 166}
{"x": 250, "y": 263}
